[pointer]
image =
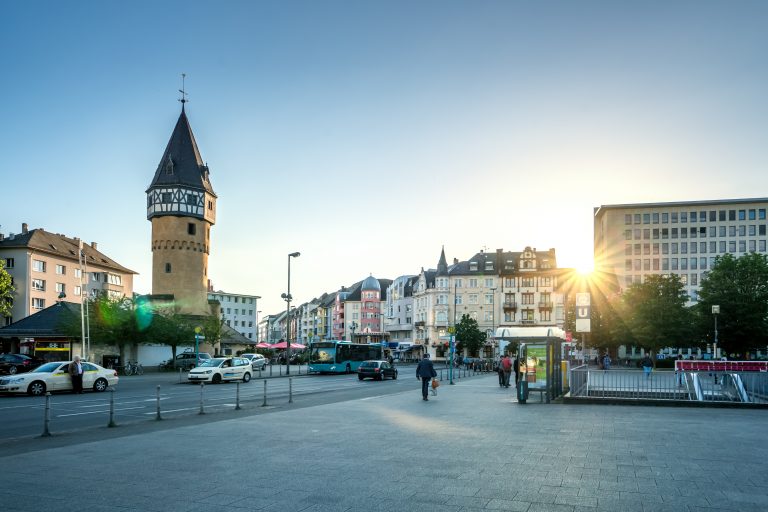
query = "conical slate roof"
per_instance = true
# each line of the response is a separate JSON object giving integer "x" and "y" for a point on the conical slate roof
{"x": 442, "y": 265}
{"x": 181, "y": 164}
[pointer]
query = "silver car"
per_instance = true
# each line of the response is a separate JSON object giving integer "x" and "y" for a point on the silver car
{"x": 258, "y": 361}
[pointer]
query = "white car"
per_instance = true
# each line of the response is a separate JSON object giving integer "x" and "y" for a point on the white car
{"x": 220, "y": 369}
{"x": 258, "y": 361}
{"x": 55, "y": 377}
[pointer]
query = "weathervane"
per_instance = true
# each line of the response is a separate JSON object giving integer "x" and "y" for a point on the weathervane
{"x": 184, "y": 95}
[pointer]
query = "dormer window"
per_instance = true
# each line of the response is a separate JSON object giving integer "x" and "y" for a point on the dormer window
{"x": 488, "y": 265}
{"x": 168, "y": 166}
{"x": 473, "y": 265}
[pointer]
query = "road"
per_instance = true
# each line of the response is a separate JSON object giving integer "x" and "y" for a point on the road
{"x": 136, "y": 400}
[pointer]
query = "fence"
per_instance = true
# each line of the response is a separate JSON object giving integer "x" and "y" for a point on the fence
{"x": 699, "y": 386}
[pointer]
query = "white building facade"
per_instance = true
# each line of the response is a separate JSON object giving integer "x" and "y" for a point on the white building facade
{"x": 239, "y": 312}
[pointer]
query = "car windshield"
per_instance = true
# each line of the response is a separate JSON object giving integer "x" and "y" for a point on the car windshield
{"x": 213, "y": 362}
{"x": 47, "y": 368}
{"x": 369, "y": 364}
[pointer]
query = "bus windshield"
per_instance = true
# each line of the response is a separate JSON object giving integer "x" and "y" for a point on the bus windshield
{"x": 323, "y": 353}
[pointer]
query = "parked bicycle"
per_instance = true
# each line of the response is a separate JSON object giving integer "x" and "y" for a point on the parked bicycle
{"x": 133, "y": 368}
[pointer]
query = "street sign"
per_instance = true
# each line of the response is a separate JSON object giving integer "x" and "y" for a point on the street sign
{"x": 583, "y": 312}
{"x": 451, "y": 330}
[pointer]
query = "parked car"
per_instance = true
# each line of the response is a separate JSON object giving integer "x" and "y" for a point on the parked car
{"x": 258, "y": 361}
{"x": 18, "y": 363}
{"x": 55, "y": 377}
{"x": 186, "y": 360}
{"x": 378, "y": 370}
{"x": 219, "y": 369}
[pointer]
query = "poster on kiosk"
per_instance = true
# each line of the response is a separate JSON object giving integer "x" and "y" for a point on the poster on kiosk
{"x": 539, "y": 354}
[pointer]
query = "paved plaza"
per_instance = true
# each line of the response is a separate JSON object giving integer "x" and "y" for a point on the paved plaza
{"x": 469, "y": 449}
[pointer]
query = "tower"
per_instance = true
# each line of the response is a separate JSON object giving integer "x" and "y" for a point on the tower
{"x": 181, "y": 206}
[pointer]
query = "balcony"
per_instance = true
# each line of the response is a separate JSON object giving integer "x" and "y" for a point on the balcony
{"x": 527, "y": 322}
{"x": 545, "y": 305}
{"x": 419, "y": 324}
{"x": 510, "y": 305}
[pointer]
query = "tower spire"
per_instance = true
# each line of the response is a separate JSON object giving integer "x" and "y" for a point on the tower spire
{"x": 184, "y": 95}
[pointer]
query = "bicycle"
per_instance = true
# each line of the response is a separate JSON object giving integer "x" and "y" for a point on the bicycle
{"x": 133, "y": 368}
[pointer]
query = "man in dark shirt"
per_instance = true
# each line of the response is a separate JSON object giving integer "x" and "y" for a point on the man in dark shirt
{"x": 425, "y": 371}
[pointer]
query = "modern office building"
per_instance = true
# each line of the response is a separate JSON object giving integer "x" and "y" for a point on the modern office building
{"x": 45, "y": 267}
{"x": 632, "y": 241}
{"x": 239, "y": 312}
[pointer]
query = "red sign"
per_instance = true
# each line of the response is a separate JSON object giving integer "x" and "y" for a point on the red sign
{"x": 568, "y": 336}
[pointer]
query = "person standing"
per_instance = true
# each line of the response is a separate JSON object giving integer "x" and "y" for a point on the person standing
{"x": 425, "y": 371}
{"x": 76, "y": 374}
{"x": 500, "y": 370}
{"x": 506, "y": 364}
{"x": 647, "y": 364}
{"x": 516, "y": 367}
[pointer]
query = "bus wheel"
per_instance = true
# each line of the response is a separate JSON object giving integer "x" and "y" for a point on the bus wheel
{"x": 349, "y": 369}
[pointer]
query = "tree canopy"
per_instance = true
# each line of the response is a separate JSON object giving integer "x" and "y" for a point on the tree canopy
{"x": 468, "y": 335}
{"x": 6, "y": 291}
{"x": 740, "y": 287}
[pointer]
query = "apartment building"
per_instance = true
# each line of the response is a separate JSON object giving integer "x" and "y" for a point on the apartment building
{"x": 398, "y": 316}
{"x": 239, "y": 312}
{"x": 46, "y": 267}
{"x": 632, "y": 241}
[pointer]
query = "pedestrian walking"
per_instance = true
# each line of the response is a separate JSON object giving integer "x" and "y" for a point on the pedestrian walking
{"x": 506, "y": 364}
{"x": 425, "y": 371}
{"x": 606, "y": 361}
{"x": 516, "y": 368}
{"x": 647, "y": 364}
{"x": 76, "y": 374}
{"x": 500, "y": 370}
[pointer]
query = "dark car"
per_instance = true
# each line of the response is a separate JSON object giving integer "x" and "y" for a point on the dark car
{"x": 378, "y": 370}
{"x": 18, "y": 363}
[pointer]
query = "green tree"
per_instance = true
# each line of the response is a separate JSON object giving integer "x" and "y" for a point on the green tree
{"x": 469, "y": 336}
{"x": 6, "y": 291}
{"x": 168, "y": 327}
{"x": 740, "y": 287}
{"x": 212, "y": 329}
{"x": 654, "y": 313}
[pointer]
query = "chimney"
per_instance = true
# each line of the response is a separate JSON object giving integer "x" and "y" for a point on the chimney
{"x": 24, "y": 228}
{"x": 94, "y": 245}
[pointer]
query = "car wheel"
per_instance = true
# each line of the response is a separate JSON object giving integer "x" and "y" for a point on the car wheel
{"x": 359, "y": 377}
{"x": 247, "y": 377}
{"x": 12, "y": 370}
{"x": 100, "y": 385}
{"x": 382, "y": 376}
{"x": 216, "y": 379}
{"x": 394, "y": 375}
{"x": 37, "y": 388}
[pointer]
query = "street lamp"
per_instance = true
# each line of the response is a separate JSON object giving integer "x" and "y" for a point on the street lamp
{"x": 287, "y": 297}
{"x": 452, "y": 348}
{"x": 715, "y": 312}
{"x": 493, "y": 316}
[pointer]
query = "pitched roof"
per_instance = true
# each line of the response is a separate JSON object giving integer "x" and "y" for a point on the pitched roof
{"x": 442, "y": 265}
{"x": 181, "y": 163}
{"x": 63, "y": 247}
{"x": 45, "y": 323}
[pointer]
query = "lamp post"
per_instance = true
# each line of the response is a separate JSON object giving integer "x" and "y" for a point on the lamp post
{"x": 493, "y": 317}
{"x": 256, "y": 308}
{"x": 287, "y": 297}
{"x": 715, "y": 312}
{"x": 453, "y": 332}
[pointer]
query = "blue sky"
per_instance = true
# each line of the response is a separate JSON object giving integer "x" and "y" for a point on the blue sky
{"x": 472, "y": 125}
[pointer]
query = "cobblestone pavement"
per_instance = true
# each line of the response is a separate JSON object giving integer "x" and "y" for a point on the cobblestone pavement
{"x": 471, "y": 448}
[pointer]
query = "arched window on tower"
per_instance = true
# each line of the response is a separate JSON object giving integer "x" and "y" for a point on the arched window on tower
{"x": 167, "y": 268}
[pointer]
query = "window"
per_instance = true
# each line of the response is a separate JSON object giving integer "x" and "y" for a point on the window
{"x": 77, "y": 290}
{"x": 655, "y": 218}
{"x": 674, "y": 264}
{"x": 703, "y": 263}
{"x": 742, "y": 246}
{"x": 712, "y": 247}
{"x": 646, "y": 264}
{"x": 627, "y": 234}
{"x": 488, "y": 316}
{"x": 191, "y": 228}
{"x": 9, "y": 262}
{"x": 683, "y": 217}
{"x": 473, "y": 283}
{"x": 546, "y": 315}
{"x": 628, "y": 264}
{"x": 166, "y": 197}
{"x": 722, "y": 231}
{"x": 742, "y": 230}
{"x": 38, "y": 266}
{"x": 646, "y": 248}
{"x": 38, "y": 303}
{"x": 731, "y": 214}
{"x": 665, "y": 264}
{"x": 627, "y": 218}
{"x": 655, "y": 263}
{"x": 694, "y": 279}
{"x": 457, "y": 283}
{"x": 674, "y": 232}
{"x": 761, "y": 230}
{"x": 442, "y": 299}
{"x": 664, "y": 218}
{"x": 664, "y": 233}
{"x": 527, "y": 282}
{"x": 60, "y": 287}
{"x": 489, "y": 298}
{"x": 38, "y": 284}
{"x": 721, "y": 215}
{"x": 752, "y": 246}
{"x": 683, "y": 263}
{"x": 473, "y": 298}
{"x": 459, "y": 300}
{"x": 752, "y": 215}
{"x": 646, "y": 234}
{"x": 545, "y": 281}
{"x": 655, "y": 248}
{"x": 693, "y": 217}
{"x": 629, "y": 280}
{"x": 694, "y": 263}
{"x": 489, "y": 282}
{"x": 527, "y": 298}
{"x": 694, "y": 247}
{"x": 694, "y": 233}
{"x": 656, "y": 233}
{"x": 646, "y": 218}
{"x": 732, "y": 246}
{"x": 664, "y": 248}
{"x": 509, "y": 316}
{"x": 78, "y": 273}
{"x": 761, "y": 214}
{"x": 473, "y": 265}
{"x": 637, "y": 234}
{"x": 638, "y": 264}
{"x": 752, "y": 230}
{"x": 712, "y": 216}
{"x": 637, "y": 249}
{"x": 722, "y": 246}
{"x": 489, "y": 265}
{"x": 210, "y": 205}
{"x": 674, "y": 248}
{"x": 703, "y": 216}
{"x": 742, "y": 214}
{"x": 61, "y": 270}
{"x": 762, "y": 245}
{"x": 731, "y": 230}
{"x": 167, "y": 268}
{"x": 674, "y": 217}
{"x": 637, "y": 218}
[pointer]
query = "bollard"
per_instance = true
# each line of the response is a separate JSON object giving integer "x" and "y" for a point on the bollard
{"x": 111, "y": 423}
{"x": 290, "y": 390}
{"x": 179, "y": 375}
{"x": 270, "y": 370}
{"x": 47, "y": 418}
{"x": 158, "y": 417}
{"x": 202, "y": 386}
{"x": 265, "y": 392}
{"x": 237, "y": 397}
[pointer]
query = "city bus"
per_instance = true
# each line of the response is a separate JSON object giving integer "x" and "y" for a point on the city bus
{"x": 336, "y": 356}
